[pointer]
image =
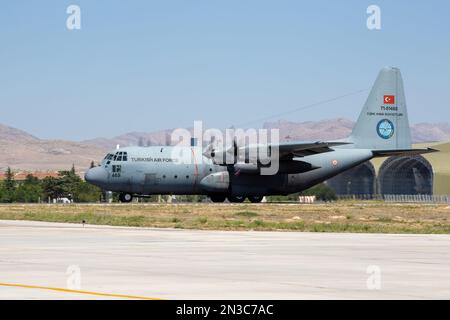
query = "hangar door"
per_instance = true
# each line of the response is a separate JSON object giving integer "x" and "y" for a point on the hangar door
{"x": 406, "y": 175}
{"x": 356, "y": 181}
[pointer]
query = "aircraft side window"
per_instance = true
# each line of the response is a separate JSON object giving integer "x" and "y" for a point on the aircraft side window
{"x": 125, "y": 156}
{"x": 119, "y": 158}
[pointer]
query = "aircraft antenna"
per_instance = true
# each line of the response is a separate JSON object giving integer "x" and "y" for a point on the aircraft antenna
{"x": 315, "y": 104}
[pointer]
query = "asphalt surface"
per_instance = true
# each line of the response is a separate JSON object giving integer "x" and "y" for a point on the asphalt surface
{"x": 40, "y": 260}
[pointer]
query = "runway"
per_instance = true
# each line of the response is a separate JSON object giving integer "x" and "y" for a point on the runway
{"x": 101, "y": 261}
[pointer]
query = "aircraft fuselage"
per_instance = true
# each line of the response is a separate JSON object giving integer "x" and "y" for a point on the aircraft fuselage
{"x": 182, "y": 170}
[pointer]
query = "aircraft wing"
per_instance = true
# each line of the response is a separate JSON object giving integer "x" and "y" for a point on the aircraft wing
{"x": 289, "y": 150}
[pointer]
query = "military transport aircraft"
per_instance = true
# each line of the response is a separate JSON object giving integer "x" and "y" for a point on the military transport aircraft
{"x": 382, "y": 130}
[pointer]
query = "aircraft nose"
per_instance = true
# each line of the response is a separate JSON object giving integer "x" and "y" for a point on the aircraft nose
{"x": 96, "y": 176}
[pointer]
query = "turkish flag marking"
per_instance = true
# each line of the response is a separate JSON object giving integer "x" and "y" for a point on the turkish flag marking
{"x": 389, "y": 99}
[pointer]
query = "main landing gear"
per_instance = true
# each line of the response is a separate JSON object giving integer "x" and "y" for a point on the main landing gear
{"x": 235, "y": 199}
{"x": 125, "y": 197}
{"x": 255, "y": 199}
{"x": 217, "y": 198}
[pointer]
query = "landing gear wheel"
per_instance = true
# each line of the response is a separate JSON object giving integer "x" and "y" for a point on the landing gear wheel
{"x": 255, "y": 199}
{"x": 125, "y": 197}
{"x": 217, "y": 198}
{"x": 237, "y": 199}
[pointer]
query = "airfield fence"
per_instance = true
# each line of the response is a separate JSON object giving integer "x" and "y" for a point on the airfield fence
{"x": 413, "y": 198}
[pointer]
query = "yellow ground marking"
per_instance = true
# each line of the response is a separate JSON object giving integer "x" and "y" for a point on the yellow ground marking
{"x": 17, "y": 285}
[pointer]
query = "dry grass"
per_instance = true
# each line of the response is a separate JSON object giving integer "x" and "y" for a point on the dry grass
{"x": 369, "y": 217}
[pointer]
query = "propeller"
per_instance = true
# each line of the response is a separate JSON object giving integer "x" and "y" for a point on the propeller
{"x": 220, "y": 155}
{"x": 235, "y": 150}
{"x": 209, "y": 151}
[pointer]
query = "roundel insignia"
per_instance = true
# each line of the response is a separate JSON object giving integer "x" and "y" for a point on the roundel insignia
{"x": 334, "y": 163}
{"x": 385, "y": 129}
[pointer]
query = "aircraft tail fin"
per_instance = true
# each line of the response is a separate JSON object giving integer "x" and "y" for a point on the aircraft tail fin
{"x": 383, "y": 123}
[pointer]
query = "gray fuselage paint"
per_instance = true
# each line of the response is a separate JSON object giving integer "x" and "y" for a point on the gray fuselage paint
{"x": 160, "y": 170}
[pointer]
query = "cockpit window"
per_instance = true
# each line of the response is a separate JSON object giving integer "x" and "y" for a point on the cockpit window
{"x": 120, "y": 156}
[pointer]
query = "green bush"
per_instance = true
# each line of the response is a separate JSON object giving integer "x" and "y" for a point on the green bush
{"x": 321, "y": 191}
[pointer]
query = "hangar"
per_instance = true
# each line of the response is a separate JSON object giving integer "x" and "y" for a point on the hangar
{"x": 406, "y": 175}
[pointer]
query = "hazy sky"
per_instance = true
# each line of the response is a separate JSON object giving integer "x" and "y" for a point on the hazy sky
{"x": 148, "y": 65}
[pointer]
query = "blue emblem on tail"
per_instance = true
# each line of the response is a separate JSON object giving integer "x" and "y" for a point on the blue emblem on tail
{"x": 385, "y": 129}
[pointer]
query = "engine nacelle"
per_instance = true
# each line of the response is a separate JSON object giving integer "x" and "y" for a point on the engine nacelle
{"x": 293, "y": 166}
{"x": 251, "y": 168}
{"x": 216, "y": 182}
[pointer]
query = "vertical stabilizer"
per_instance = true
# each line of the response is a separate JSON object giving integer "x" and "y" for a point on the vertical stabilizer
{"x": 383, "y": 123}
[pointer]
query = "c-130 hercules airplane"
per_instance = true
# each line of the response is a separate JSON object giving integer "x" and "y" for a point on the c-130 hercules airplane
{"x": 382, "y": 130}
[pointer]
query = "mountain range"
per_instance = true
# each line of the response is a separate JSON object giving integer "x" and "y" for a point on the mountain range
{"x": 21, "y": 150}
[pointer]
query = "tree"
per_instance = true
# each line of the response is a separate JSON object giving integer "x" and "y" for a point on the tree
{"x": 8, "y": 187}
{"x": 86, "y": 192}
{"x": 30, "y": 190}
{"x": 52, "y": 187}
{"x": 69, "y": 182}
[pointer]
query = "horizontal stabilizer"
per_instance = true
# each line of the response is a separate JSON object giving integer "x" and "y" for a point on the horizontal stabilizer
{"x": 402, "y": 152}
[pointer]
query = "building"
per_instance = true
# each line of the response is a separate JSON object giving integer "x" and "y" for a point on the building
{"x": 427, "y": 174}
